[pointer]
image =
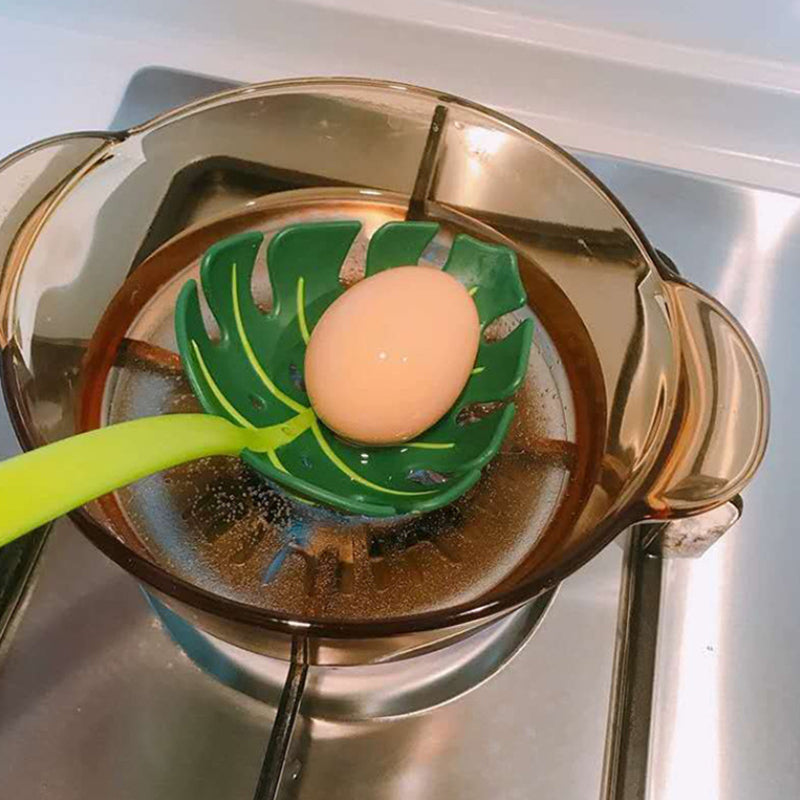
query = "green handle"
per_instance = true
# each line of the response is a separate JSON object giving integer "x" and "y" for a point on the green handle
{"x": 38, "y": 486}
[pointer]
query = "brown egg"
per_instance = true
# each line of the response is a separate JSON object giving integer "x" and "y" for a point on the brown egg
{"x": 392, "y": 354}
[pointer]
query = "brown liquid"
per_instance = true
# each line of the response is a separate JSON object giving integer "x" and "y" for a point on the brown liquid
{"x": 221, "y": 527}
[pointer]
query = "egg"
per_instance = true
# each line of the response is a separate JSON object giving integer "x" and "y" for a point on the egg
{"x": 392, "y": 354}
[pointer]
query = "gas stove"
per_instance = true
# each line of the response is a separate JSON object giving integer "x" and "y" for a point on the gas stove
{"x": 636, "y": 680}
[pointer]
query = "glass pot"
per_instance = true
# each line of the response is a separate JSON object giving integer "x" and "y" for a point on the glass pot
{"x": 645, "y": 400}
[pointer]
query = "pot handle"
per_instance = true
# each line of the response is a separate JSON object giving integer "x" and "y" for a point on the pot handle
{"x": 30, "y": 175}
{"x": 721, "y": 422}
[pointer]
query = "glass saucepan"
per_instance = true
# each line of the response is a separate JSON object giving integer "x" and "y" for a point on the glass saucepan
{"x": 644, "y": 400}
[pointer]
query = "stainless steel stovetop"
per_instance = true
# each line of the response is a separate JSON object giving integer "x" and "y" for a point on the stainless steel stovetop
{"x": 97, "y": 701}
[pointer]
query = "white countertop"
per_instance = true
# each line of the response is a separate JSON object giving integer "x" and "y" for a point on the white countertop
{"x": 614, "y": 89}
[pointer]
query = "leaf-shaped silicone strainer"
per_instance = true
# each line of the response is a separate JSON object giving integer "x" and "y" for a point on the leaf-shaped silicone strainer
{"x": 250, "y": 381}
{"x": 252, "y": 375}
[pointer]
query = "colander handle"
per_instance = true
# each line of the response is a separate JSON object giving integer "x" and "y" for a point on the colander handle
{"x": 722, "y": 417}
{"x": 41, "y": 485}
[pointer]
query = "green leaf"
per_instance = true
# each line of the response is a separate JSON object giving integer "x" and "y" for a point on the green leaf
{"x": 398, "y": 244}
{"x": 252, "y": 374}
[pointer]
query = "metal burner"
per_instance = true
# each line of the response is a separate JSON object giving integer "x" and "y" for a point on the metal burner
{"x": 390, "y": 689}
